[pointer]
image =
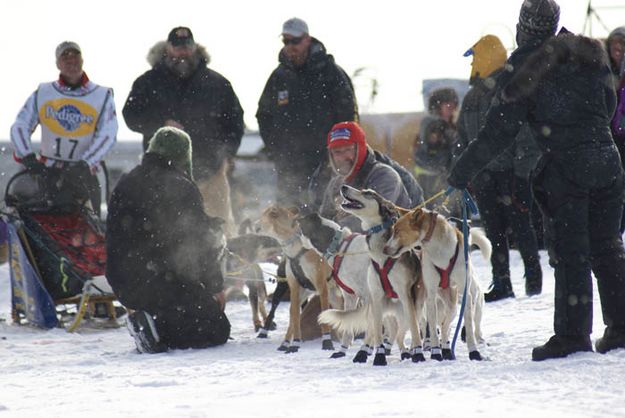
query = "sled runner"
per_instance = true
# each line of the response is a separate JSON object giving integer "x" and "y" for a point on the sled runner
{"x": 57, "y": 253}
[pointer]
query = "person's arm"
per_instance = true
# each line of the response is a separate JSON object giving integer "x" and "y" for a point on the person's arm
{"x": 140, "y": 113}
{"x": 105, "y": 133}
{"x": 343, "y": 97}
{"x": 264, "y": 116}
{"x": 386, "y": 182}
{"x": 231, "y": 120}
{"x": 23, "y": 127}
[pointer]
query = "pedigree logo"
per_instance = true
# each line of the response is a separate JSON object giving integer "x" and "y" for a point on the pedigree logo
{"x": 68, "y": 117}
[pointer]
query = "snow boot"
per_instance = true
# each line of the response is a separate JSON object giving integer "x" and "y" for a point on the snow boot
{"x": 142, "y": 328}
{"x": 560, "y": 346}
{"x": 612, "y": 339}
{"x": 500, "y": 288}
{"x": 533, "y": 281}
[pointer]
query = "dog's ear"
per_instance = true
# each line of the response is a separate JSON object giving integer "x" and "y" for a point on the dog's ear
{"x": 293, "y": 210}
{"x": 414, "y": 216}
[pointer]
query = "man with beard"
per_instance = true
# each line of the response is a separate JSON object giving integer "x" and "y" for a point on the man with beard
{"x": 303, "y": 98}
{"x": 181, "y": 91}
{"x": 561, "y": 86}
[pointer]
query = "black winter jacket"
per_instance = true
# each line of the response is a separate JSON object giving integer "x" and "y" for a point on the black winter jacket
{"x": 563, "y": 89}
{"x": 204, "y": 103}
{"x": 299, "y": 106}
{"x": 162, "y": 249}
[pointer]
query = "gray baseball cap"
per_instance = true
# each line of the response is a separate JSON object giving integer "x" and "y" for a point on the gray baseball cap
{"x": 64, "y": 46}
{"x": 295, "y": 27}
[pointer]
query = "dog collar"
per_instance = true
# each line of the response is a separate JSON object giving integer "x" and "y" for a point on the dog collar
{"x": 428, "y": 234}
{"x": 334, "y": 245}
{"x": 381, "y": 227}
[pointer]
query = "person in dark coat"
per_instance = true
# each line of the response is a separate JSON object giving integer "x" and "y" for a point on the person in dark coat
{"x": 353, "y": 163}
{"x": 502, "y": 188}
{"x": 164, "y": 254}
{"x": 181, "y": 91}
{"x": 561, "y": 86}
{"x": 303, "y": 98}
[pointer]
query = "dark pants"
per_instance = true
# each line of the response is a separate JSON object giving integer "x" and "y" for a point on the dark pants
{"x": 581, "y": 197}
{"x": 505, "y": 202}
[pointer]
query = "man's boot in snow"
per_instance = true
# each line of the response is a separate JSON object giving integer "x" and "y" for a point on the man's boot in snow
{"x": 142, "y": 328}
{"x": 533, "y": 280}
{"x": 500, "y": 288}
{"x": 612, "y": 339}
{"x": 560, "y": 346}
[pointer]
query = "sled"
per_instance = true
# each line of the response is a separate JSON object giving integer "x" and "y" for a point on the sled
{"x": 57, "y": 255}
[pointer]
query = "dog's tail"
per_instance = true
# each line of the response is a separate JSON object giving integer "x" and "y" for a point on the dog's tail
{"x": 478, "y": 237}
{"x": 354, "y": 320}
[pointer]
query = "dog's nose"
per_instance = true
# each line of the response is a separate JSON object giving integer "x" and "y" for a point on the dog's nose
{"x": 344, "y": 189}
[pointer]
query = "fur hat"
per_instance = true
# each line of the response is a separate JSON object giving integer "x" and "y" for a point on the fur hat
{"x": 175, "y": 145}
{"x": 539, "y": 18}
{"x": 343, "y": 134}
{"x": 489, "y": 55}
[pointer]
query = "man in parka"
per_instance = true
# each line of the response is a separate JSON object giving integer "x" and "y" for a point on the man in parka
{"x": 502, "y": 189}
{"x": 561, "y": 86}
{"x": 303, "y": 98}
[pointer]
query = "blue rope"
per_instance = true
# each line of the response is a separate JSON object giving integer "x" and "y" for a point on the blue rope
{"x": 468, "y": 205}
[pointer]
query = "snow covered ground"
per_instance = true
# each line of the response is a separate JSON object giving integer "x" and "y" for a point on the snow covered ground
{"x": 98, "y": 373}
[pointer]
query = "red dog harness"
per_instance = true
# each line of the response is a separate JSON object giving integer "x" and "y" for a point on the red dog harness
{"x": 336, "y": 265}
{"x": 383, "y": 275}
{"x": 444, "y": 284}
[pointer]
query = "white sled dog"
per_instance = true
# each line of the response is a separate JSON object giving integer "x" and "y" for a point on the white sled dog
{"x": 393, "y": 282}
{"x": 442, "y": 263}
{"x": 347, "y": 254}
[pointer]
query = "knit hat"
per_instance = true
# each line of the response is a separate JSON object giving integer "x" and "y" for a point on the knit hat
{"x": 343, "y": 134}
{"x": 539, "y": 18}
{"x": 175, "y": 145}
{"x": 488, "y": 54}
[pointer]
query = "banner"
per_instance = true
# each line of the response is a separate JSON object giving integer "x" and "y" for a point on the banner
{"x": 29, "y": 297}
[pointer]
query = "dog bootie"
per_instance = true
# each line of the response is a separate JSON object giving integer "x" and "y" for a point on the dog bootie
{"x": 142, "y": 328}
{"x": 560, "y": 346}
{"x": 499, "y": 289}
{"x": 612, "y": 339}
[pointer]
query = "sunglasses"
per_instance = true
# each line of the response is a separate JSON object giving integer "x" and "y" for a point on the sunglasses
{"x": 292, "y": 41}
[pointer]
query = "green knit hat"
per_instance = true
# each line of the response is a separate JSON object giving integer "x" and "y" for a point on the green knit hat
{"x": 175, "y": 145}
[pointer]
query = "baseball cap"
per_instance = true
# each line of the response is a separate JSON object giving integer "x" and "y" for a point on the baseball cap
{"x": 295, "y": 27}
{"x": 64, "y": 46}
{"x": 181, "y": 36}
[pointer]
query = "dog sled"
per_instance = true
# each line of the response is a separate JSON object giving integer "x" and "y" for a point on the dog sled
{"x": 57, "y": 254}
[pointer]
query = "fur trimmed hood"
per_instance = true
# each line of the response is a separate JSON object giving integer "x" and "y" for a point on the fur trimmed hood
{"x": 159, "y": 50}
{"x": 564, "y": 49}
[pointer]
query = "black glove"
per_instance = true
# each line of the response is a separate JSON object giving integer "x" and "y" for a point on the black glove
{"x": 456, "y": 181}
{"x": 32, "y": 164}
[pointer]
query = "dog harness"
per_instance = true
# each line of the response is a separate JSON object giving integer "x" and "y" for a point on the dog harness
{"x": 444, "y": 283}
{"x": 383, "y": 275}
{"x": 336, "y": 264}
{"x": 298, "y": 272}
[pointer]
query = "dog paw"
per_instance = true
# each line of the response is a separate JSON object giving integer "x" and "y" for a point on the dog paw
{"x": 418, "y": 358}
{"x": 360, "y": 357}
{"x": 405, "y": 355}
{"x": 475, "y": 355}
{"x": 379, "y": 359}
{"x": 327, "y": 345}
{"x": 448, "y": 355}
{"x": 292, "y": 349}
{"x": 283, "y": 347}
{"x": 338, "y": 354}
{"x": 262, "y": 333}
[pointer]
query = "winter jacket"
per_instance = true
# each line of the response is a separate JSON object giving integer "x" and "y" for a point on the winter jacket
{"x": 563, "y": 89}
{"x": 372, "y": 175}
{"x": 204, "y": 103}
{"x": 298, "y": 107}
{"x": 433, "y": 156}
{"x": 617, "y": 68}
{"x": 162, "y": 249}
{"x": 521, "y": 157}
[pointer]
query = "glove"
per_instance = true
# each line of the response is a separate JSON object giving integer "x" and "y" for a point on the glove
{"x": 32, "y": 164}
{"x": 455, "y": 181}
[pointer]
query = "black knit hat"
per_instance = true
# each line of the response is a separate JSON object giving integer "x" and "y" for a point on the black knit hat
{"x": 443, "y": 95}
{"x": 539, "y": 18}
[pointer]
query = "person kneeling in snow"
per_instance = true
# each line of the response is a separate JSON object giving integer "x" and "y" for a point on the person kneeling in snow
{"x": 164, "y": 254}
